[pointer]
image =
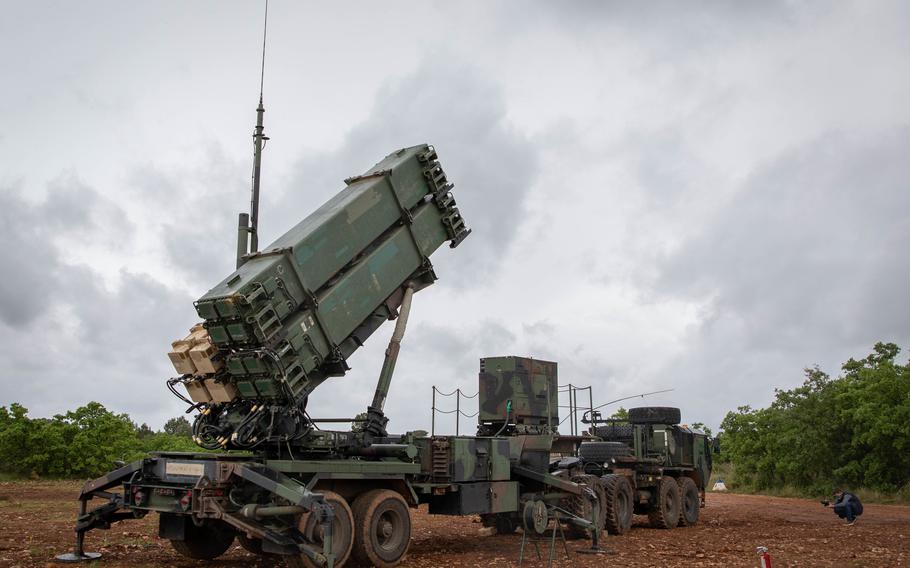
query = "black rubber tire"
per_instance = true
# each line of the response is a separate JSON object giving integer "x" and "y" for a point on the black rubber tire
{"x": 207, "y": 542}
{"x": 615, "y": 432}
{"x": 342, "y": 530}
{"x": 382, "y": 528}
{"x": 504, "y": 523}
{"x": 689, "y": 502}
{"x": 251, "y": 545}
{"x": 580, "y": 506}
{"x": 602, "y": 452}
{"x": 655, "y": 415}
{"x": 619, "y": 504}
{"x": 664, "y": 513}
{"x": 597, "y": 485}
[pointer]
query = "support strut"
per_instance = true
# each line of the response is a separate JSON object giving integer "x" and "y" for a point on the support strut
{"x": 376, "y": 420}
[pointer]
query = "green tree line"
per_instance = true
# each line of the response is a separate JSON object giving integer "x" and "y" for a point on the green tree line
{"x": 849, "y": 431}
{"x": 852, "y": 430}
{"x": 82, "y": 443}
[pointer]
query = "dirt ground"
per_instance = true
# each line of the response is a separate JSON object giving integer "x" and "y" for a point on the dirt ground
{"x": 36, "y": 520}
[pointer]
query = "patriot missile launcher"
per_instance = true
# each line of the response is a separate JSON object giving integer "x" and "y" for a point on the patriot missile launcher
{"x": 292, "y": 314}
{"x": 287, "y": 320}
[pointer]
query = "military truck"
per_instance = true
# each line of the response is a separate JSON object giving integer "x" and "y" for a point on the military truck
{"x": 648, "y": 464}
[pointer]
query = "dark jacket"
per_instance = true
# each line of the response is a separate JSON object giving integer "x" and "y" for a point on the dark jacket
{"x": 848, "y": 499}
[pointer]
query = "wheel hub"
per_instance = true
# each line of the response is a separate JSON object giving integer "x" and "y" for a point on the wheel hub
{"x": 385, "y": 529}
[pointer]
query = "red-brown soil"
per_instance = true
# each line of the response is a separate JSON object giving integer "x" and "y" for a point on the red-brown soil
{"x": 36, "y": 520}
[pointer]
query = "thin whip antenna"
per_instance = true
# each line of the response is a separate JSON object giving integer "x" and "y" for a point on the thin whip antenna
{"x": 258, "y": 139}
{"x": 248, "y": 224}
{"x": 642, "y": 395}
{"x": 265, "y": 28}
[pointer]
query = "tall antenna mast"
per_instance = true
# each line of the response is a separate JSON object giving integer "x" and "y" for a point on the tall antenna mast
{"x": 248, "y": 225}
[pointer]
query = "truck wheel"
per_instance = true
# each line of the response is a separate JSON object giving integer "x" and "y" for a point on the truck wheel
{"x": 342, "y": 530}
{"x": 382, "y": 531}
{"x": 504, "y": 523}
{"x": 690, "y": 502}
{"x": 602, "y": 452}
{"x": 580, "y": 506}
{"x": 619, "y": 504}
{"x": 654, "y": 415}
{"x": 207, "y": 542}
{"x": 664, "y": 513}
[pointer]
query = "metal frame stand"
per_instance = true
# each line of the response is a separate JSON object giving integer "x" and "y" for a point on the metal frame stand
{"x": 536, "y": 539}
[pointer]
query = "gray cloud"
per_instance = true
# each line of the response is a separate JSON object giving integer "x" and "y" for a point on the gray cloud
{"x": 199, "y": 205}
{"x": 65, "y": 337}
{"x": 28, "y": 262}
{"x": 806, "y": 264}
{"x": 674, "y": 27}
{"x": 35, "y": 273}
{"x": 463, "y": 114}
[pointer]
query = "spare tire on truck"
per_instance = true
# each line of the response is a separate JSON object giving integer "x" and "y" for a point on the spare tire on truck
{"x": 616, "y": 432}
{"x": 602, "y": 452}
{"x": 654, "y": 415}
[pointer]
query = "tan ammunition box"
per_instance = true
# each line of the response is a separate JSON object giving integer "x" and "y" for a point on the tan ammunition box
{"x": 197, "y": 391}
{"x": 221, "y": 392}
{"x": 180, "y": 357}
{"x": 202, "y": 355}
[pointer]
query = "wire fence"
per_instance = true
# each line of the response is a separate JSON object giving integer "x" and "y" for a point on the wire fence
{"x": 458, "y": 394}
{"x": 571, "y": 392}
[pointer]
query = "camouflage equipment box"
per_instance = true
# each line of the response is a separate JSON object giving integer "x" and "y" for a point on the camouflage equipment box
{"x": 518, "y": 393}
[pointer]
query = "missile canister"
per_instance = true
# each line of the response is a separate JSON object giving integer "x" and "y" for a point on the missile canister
{"x": 292, "y": 314}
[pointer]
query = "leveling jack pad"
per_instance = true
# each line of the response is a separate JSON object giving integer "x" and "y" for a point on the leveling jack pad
{"x": 596, "y": 550}
{"x": 70, "y": 557}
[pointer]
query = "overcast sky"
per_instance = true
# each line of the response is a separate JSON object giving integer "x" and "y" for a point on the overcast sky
{"x": 701, "y": 196}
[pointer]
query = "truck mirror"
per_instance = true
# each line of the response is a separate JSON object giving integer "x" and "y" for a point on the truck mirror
{"x": 715, "y": 445}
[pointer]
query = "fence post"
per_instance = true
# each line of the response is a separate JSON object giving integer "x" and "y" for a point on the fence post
{"x": 457, "y": 409}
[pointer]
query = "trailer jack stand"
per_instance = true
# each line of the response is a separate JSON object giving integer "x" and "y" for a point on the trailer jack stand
{"x": 595, "y": 538}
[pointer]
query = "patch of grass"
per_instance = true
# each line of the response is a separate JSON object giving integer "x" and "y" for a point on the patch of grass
{"x": 736, "y": 484}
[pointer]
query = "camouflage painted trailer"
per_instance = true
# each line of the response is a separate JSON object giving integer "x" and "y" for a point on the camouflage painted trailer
{"x": 285, "y": 506}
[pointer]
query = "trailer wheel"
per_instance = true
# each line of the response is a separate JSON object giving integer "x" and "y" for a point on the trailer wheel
{"x": 207, "y": 542}
{"x": 251, "y": 545}
{"x": 342, "y": 530}
{"x": 619, "y": 504}
{"x": 690, "y": 502}
{"x": 382, "y": 528}
{"x": 664, "y": 513}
